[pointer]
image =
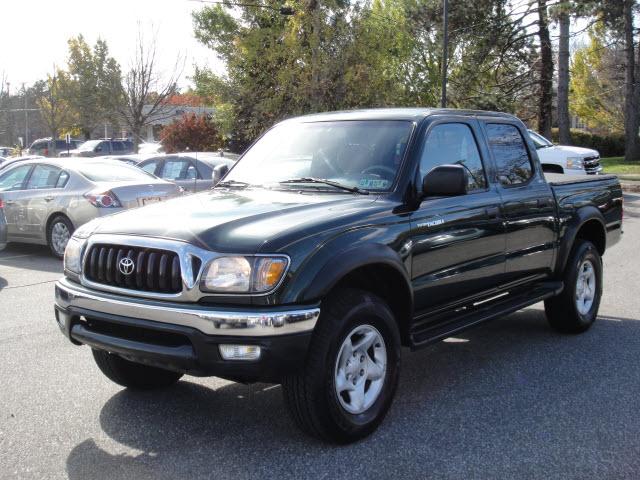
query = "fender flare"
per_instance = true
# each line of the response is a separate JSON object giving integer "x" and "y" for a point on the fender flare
{"x": 351, "y": 259}
{"x": 581, "y": 217}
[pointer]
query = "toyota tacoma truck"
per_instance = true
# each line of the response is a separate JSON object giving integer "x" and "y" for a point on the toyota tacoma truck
{"x": 336, "y": 240}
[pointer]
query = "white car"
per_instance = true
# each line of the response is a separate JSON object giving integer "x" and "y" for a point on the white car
{"x": 566, "y": 159}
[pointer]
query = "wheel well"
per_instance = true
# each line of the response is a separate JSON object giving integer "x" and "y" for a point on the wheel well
{"x": 551, "y": 168}
{"x": 51, "y": 218}
{"x": 593, "y": 231}
{"x": 387, "y": 283}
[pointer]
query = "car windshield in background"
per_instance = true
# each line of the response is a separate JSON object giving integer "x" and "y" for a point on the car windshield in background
{"x": 359, "y": 154}
{"x": 89, "y": 145}
{"x": 113, "y": 172}
{"x": 539, "y": 141}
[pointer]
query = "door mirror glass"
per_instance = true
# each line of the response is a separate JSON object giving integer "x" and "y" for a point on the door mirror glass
{"x": 445, "y": 180}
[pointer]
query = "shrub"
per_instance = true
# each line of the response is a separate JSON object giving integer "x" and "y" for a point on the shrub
{"x": 608, "y": 145}
{"x": 191, "y": 132}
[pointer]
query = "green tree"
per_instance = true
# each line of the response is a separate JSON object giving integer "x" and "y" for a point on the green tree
{"x": 339, "y": 54}
{"x": 94, "y": 82}
{"x": 597, "y": 84}
{"x": 55, "y": 109}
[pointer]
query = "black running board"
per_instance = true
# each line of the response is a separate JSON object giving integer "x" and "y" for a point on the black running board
{"x": 431, "y": 328}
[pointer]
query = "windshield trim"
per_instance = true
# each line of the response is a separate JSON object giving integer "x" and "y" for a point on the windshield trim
{"x": 401, "y": 167}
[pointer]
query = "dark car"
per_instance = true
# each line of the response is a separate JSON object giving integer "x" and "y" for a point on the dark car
{"x": 333, "y": 242}
{"x": 100, "y": 148}
{"x": 193, "y": 171}
{"x": 47, "y": 147}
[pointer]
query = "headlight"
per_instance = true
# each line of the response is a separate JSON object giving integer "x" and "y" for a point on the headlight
{"x": 73, "y": 255}
{"x": 575, "y": 163}
{"x": 243, "y": 274}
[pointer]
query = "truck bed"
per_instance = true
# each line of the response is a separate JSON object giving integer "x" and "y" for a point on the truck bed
{"x": 560, "y": 179}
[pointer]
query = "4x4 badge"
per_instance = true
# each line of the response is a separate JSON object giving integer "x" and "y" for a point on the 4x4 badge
{"x": 126, "y": 266}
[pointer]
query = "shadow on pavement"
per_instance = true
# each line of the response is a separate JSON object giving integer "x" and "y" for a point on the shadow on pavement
{"x": 29, "y": 257}
{"x": 509, "y": 399}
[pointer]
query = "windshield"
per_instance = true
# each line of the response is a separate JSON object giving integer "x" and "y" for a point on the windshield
{"x": 113, "y": 172}
{"x": 539, "y": 141}
{"x": 363, "y": 154}
{"x": 89, "y": 145}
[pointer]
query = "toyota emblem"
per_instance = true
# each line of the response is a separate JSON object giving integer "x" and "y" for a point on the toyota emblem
{"x": 126, "y": 266}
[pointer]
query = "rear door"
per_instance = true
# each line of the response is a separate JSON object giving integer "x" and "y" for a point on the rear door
{"x": 12, "y": 191}
{"x": 458, "y": 242}
{"x": 528, "y": 202}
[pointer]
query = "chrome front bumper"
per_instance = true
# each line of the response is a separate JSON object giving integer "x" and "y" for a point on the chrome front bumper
{"x": 208, "y": 320}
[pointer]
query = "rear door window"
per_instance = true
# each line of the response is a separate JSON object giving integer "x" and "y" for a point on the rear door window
{"x": 510, "y": 153}
{"x": 43, "y": 176}
{"x": 175, "y": 169}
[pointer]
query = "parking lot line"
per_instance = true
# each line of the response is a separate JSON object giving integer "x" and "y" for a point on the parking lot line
{"x": 16, "y": 256}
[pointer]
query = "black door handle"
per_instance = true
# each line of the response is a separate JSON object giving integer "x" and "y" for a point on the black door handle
{"x": 543, "y": 202}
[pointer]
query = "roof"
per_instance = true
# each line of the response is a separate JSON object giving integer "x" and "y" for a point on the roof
{"x": 408, "y": 114}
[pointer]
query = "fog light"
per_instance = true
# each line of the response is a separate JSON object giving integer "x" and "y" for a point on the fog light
{"x": 240, "y": 352}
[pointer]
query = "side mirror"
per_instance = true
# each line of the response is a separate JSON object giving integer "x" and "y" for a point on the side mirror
{"x": 219, "y": 172}
{"x": 445, "y": 180}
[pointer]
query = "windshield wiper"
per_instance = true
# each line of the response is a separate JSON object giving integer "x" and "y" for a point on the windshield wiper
{"x": 326, "y": 182}
{"x": 231, "y": 184}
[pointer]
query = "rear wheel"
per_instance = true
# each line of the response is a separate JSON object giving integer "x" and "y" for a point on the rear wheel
{"x": 58, "y": 234}
{"x": 350, "y": 377}
{"x": 133, "y": 375}
{"x": 576, "y": 308}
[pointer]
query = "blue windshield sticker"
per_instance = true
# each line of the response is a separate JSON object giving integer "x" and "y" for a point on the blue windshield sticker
{"x": 374, "y": 183}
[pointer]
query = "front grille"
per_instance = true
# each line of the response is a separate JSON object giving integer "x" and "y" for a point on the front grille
{"x": 592, "y": 164}
{"x": 153, "y": 270}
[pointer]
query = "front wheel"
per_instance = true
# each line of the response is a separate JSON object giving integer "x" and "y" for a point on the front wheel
{"x": 576, "y": 308}
{"x": 350, "y": 377}
{"x": 133, "y": 375}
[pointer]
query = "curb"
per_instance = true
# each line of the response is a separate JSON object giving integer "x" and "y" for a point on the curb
{"x": 630, "y": 187}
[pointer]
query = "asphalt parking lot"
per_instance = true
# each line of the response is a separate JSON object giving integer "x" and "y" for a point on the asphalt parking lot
{"x": 509, "y": 399}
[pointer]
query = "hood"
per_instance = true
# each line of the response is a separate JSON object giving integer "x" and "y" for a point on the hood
{"x": 238, "y": 221}
{"x": 576, "y": 151}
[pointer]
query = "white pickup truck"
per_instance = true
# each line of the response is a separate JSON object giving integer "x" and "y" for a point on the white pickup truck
{"x": 566, "y": 159}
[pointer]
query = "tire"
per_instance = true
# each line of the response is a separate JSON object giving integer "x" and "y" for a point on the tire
{"x": 572, "y": 311}
{"x": 349, "y": 317}
{"x": 60, "y": 227}
{"x": 133, "y": 375}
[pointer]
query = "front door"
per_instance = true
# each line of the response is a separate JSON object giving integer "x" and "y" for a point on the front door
{"x": 12, "y": 193}
{"x": 44, "y": 187}
{"x": 458, "y": 243}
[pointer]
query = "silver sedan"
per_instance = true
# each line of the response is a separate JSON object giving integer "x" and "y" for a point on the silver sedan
{"x": 44, "y": 201}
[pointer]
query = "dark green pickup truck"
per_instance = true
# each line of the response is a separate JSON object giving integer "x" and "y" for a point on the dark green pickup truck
{"x": 334, "y": 241}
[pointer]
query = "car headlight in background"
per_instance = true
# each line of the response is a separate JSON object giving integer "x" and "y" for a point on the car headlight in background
{"x": 575, "y": 163}
{"x": 243, "y": 274}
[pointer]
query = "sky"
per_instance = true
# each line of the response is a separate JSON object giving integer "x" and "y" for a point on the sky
{"x": 34, "y": 34}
